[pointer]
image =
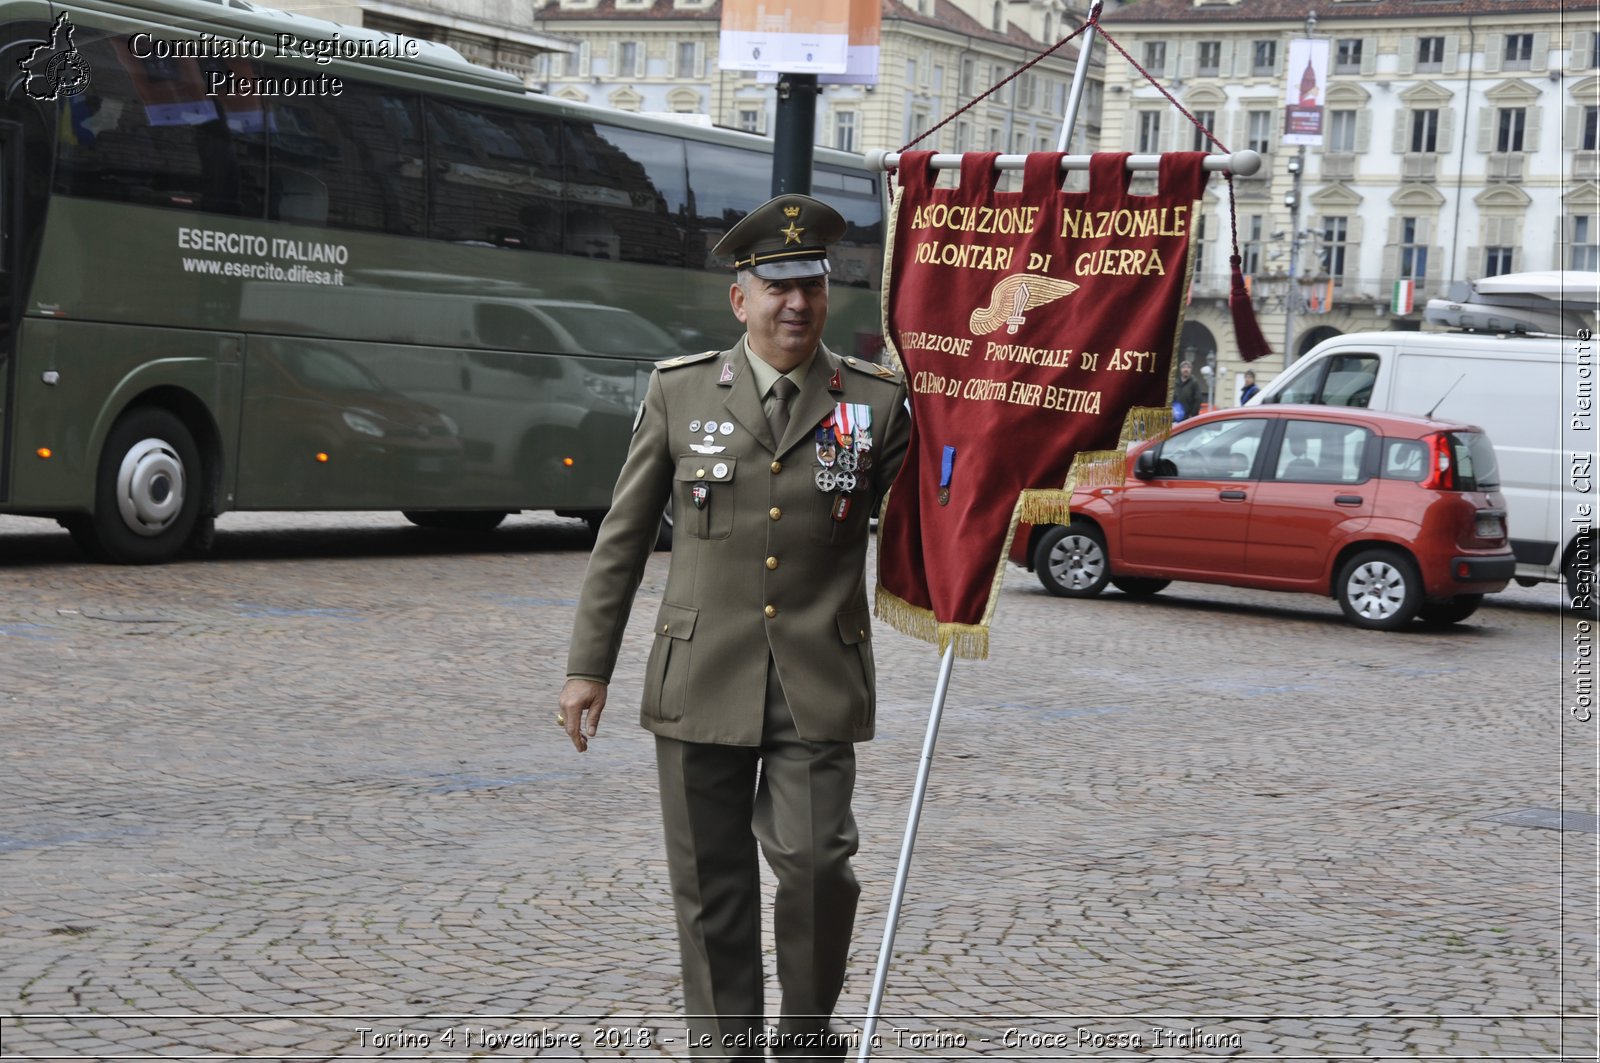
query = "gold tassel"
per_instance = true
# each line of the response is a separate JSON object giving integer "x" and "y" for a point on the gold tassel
{"x": 908, "y": 619}
{"x": 1045, "y": 507}
{"x": 970, "y": 640}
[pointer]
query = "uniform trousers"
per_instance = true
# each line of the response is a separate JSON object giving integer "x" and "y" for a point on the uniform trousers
{"x": 717, "y": 801}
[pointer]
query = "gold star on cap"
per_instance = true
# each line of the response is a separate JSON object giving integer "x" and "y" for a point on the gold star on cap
{"x": 791, "y": 235}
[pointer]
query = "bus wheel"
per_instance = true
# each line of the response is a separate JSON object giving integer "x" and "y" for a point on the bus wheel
{"x": 147, "y": 491}
{"x": 456, "y": 520}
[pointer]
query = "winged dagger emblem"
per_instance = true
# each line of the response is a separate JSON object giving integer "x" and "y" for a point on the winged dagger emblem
{"x": 1013, "y": 297}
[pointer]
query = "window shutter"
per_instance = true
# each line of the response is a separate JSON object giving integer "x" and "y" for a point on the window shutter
{"x": 1435, "y": 270}
{"x": 1530, "y": 132}
{"x": 1186, "y": 60}
{"x": 1488, "y": 117}
{"x": 1225, "y": 59}
{"x": 1541, "y": 52}
{"x": 1452, "y": 46}
{"x": 1582, "y": 42}
{"x": 1391, "y": 268}
{"x": 1572, "y": 128}
{"x": 1447, "y": 125}
{"x": 1475, "y": 260}
{"x": 1369, "y": 55}
{"x": 1408, "y": 54}
{"x": 1364, "y": 130}
{"x": 1352, "y": 235}
{"x": 585, "y": 60}
{"x": 1494, "y": 52}
{"x": 1402, "y": 131}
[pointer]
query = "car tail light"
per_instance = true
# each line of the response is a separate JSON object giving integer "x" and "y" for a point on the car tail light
{"x": 1441, "y": 469}
{"x": 1490, "y": 525}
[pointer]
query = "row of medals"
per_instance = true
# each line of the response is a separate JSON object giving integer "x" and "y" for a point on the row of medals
{"x": 843, "y": 451}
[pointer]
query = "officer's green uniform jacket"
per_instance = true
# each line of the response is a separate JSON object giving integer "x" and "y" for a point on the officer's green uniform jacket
{"x": 762, "y": 567}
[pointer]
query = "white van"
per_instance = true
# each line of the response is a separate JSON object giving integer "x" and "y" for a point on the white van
{"x": 1523, "y": 389}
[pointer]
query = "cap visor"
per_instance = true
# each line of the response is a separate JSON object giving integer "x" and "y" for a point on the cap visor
{"x": 793, "y": 270}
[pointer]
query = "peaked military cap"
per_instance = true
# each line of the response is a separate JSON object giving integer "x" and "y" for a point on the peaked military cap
{"x": 785, "y": 238}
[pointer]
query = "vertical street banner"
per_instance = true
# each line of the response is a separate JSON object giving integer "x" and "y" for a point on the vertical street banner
{"x": 1303, "y": 93}
{"x": 1036, "y": 331}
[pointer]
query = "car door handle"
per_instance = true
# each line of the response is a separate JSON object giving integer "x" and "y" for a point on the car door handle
{"x": 1232, "y": 496}
{"x": 1347, "y": 500}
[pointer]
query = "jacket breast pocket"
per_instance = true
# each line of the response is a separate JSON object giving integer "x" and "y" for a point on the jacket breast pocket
{"x": 666, "y": 675}
{"x": 702, "y": 496}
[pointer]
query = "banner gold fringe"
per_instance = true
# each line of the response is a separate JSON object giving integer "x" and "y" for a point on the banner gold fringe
{"x": 1045, "y": 507}
{"x": 970, "y": 640}
{"x": 908, "y": 619}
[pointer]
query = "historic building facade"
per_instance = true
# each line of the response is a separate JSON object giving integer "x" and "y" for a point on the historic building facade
{"x": 1459, "y": 141}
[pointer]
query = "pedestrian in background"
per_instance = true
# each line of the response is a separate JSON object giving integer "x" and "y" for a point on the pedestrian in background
{"x": 1250, "y": 389}
{"x": 774, "y": 454}
{"x": 1185, "y": 394}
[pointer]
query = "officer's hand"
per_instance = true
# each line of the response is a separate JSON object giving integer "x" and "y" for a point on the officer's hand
{"x": 582, "y": 702}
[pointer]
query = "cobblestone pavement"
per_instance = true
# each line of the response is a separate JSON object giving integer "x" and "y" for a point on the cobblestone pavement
{"x": 307, "y": 800}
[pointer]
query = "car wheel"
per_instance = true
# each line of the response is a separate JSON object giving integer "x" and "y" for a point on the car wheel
{"x": 1071, "y": 560}
{"x": 147, "y": 491}
{"x": 1379, "y": 589}
{"x": 1451, "y": 611}
{"x": 466, "y": 521}
{"x": 1582, "y": 584}
{"x": 1139, "y": 586}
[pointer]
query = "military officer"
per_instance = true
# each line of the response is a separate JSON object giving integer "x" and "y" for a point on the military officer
{"x": 774, "y": 455}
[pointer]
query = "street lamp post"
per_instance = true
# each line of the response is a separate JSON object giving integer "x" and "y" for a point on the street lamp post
{"x": 1291, "y": 199}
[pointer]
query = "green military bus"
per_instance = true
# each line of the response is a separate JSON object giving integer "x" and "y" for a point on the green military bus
{"x": 257, "y": 261}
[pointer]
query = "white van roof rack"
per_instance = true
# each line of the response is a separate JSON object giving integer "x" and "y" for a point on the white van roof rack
{"x": 1554, "y": 302}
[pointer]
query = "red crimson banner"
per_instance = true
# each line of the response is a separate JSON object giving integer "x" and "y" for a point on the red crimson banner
{"x": 1036, "y": 330}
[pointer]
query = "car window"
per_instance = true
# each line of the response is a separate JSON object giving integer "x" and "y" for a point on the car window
{"x": 1322, "y": 452}
{"x": 1405, "y": 459}
{"x": 1340, "y": 380}
{"x": 1476, "y": 468}
{"x": 1217, "y": 450}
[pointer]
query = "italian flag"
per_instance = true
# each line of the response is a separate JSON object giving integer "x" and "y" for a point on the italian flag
{"x": 1405, "y": 297}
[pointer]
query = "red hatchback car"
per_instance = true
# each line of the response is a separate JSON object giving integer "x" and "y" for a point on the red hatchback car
{"x": 1396, "y": 517}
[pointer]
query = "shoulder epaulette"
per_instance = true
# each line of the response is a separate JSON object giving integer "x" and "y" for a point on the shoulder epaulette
{"x": 687, "y": 359}
{"x": 882, "y": 372}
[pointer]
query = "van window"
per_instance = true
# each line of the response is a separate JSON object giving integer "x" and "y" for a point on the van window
{"x": 1341, "y": 380}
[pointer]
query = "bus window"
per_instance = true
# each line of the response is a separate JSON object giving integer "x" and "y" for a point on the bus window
{"x": 858, "y": 258}
{"x": 722, "y": 192}
{"x": 147, "y": 131}
{"x": 352, "y": 160}
{"x": 496, "y": 177}
{"x": 627, "y": 194}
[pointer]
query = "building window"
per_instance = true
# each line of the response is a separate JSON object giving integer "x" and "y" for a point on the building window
{"x": 1149, "y": 132}
{"x": 628, "y": 59}
{"x": 1250, "y": 250}
{"x": 998, "y": 23}
{"x": 1341, "y": 131}
{"x": 1496, "y": 261}
{"x": 911, "y": 73}
{"x": 1210, "y": 60}
{"x": 917, "y": 124}
{"x": 1199, "y": 244}
{"x": 1207, "y": 120}
{"x": 966, "y": 79}
{"x": 1585, "y": 247}
{"x": 1430, "y": 54}
{"x": 1155, "y": 56}
{"x": 1512, "y": 123}
{"x": 750, "y": 120}
{"x": 963, "y": 136}
{"x": 1519, "y": 51}
{"x": 844, "y": 130}
{"x": 1025, "y": 92}
{"x": 1413, "y": 250}
{"x": 1260, "y": 138}
{"x": 1335, "y": 241}
{"x": 1264, "y": 58}
{"x": 1589, "y": 135}
{"x": 1424, "y": 130}
{"x": 687, "y": 68}
{"x": 1347, "y": 55}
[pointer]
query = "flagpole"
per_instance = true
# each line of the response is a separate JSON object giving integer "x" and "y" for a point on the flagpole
{"x": 870, "y": 1024}
{"x": 880, "y": 979}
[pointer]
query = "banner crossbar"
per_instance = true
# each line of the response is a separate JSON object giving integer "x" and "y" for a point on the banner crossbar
{"x": 1239, "y": 163}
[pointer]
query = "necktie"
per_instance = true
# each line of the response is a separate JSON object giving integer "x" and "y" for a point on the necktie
{"x": 783, "y": 389}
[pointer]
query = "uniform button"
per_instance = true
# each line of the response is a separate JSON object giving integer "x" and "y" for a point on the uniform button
{"x": 862, "y": 632}
{"x": 772, "y": 562}
{"x": 777, "y": 467}
{"x": 665, "y": 628}
{"x": 699, "y": 472}
{"x": 775, "y": 513}
{"x": 771, "y": 611}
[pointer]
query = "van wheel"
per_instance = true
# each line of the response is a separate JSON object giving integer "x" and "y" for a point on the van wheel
{"x": 465, "y": 521}
{"x": 1071, "y": 560}
{"x": 1379, "y": 589}
{"x": 1582, "y": 579}
{"x": 147, "y": 491}
{"x": 1450, "y": 611}
{"x": 1139, "y": 586}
